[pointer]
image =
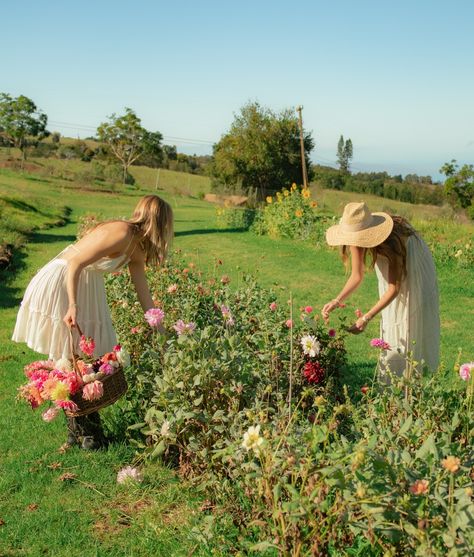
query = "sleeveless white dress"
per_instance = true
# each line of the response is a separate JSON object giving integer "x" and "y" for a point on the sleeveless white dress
{"x": 40, "y": 322}
{"x": 410, "y": 323}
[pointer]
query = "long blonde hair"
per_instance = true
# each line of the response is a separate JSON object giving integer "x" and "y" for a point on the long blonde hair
{"x": 393, "y": 248}
{"x": 152, "y": 219}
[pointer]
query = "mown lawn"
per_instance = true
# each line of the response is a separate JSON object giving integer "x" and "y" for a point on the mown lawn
{"x": 44, "y": 513}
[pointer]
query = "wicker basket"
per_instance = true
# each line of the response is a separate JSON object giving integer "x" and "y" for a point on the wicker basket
{"x": 115, "y": 386}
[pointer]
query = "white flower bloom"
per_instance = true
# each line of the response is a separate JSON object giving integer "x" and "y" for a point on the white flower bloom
{"x": 129, "y": 474}
{"x": 165, "y": 428}
{"x": 63, "y": 364}
{"x": 311, "y": 346}
{"x": 123, "y": 357}
{"x": 252, "y": 439}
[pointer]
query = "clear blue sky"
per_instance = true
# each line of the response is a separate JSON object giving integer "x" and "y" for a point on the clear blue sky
{"x": 395, "y": 77}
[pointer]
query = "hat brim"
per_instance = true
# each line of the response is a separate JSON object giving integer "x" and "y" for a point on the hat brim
{"x": 371, "y": 236}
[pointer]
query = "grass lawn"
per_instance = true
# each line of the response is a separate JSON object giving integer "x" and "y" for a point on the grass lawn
{"x": 42, "y": 512}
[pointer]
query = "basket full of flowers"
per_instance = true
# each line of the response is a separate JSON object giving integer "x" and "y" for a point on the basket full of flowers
{"x": 78, "y": 386}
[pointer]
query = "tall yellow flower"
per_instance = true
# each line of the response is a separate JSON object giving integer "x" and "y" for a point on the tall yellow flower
{"x": 451, "y": 464}
{"x": 269, "y": 199}
{"x": 306, "y": 193}
{"x": 298, "y": 213}
{"x": 286, "y": 193}
{"x": 293, "y": 187}
{"x": 314, "y": 204}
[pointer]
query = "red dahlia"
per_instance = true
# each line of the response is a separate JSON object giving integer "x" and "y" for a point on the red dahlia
{"x": 314, "y": 372}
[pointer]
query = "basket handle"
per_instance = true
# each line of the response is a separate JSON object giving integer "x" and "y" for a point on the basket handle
{"x": 71, "y": 348}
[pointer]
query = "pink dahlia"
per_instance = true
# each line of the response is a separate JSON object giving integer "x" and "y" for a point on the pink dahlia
{"x": 50, "y": 414}
{"x": 314, "y": 372}
{"x": 308, "y": 309}
{"x": 289, "y": 323}
{"x": 67, "y": 405}
{"x": 183, "y": 328}
{"x": 107, "y": 368}
{"x": 87, "y": 345}
{"x": 93, "y": 391}
{"x": 154, "y": 316}
{"x": 465, "y": 371}
{"x": 332, "y": 332}
{"x": 380, "y": 343}
{"x": 273, "y": 306}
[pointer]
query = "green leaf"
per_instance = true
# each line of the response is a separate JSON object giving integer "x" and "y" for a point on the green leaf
{"x": 406, "y": 425}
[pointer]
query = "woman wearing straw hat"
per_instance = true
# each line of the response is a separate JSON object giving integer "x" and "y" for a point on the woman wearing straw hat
{"x": 406, "y": 278}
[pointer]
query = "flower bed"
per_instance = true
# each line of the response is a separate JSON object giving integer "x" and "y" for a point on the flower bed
{"x": 247, "y": 398}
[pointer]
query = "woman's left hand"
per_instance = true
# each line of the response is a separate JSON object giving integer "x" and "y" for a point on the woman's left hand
{"x": 358, "y": 327}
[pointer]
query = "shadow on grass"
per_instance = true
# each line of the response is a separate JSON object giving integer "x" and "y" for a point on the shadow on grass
{"x": 200, "y": 231}
{"x": 11, "y": 296}
{"x": 44, "y": 238}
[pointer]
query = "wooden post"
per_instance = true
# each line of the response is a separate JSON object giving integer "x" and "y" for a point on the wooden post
{"x": 303, "y": 159}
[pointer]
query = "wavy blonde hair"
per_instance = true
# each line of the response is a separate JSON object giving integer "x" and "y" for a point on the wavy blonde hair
{"x": 152, "y": 219}
{"x": 393, "y": 248}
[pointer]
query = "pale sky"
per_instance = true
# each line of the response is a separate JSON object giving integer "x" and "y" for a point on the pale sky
{"x": 395, "y": 77}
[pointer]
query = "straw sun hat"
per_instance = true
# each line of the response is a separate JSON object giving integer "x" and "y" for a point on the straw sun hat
{"x": 359, "y": 227}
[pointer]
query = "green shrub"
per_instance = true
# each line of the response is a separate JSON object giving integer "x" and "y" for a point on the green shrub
{"x": 234, "y": 217}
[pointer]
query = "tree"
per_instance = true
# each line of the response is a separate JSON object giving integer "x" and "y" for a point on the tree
{"x": 260, "y": 152}
{"x": 20, "y": 121}
{"x": 459, "y": 184}
{"x": 344, "y": 154}
{"x": 152, "y": 149}
{"x": 127, "y": 138}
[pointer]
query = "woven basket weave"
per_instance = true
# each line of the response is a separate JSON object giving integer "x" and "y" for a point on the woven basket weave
{"x": 115, "y": 386}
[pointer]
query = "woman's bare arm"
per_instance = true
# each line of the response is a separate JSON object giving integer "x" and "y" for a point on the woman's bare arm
{"x": 105, "y": 241}
{"x": 137, "y": 273}
{"x": 352, "y": 283}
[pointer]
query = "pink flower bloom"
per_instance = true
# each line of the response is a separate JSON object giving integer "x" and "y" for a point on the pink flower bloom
{"x": 380, "y": 343}
{"x": 67, "y": 405}
{"x": 117, "y": 348}
{"x": 358, "y": 313}
{"x": 308, "y": 309}
{"x": 128, "y": 474}
{"x": 154, "y": 316}
{"x": 50, "y": 414}
{"x": 227, "y": 315}
{"x": 172, "y": 288}
{"x": 87, "y": 345}
{"x": 92, "y": 391}
{"x": 135, "y": 330}
{"x": 465, "y": 371}
{"x": 183, "y": 328}
{"x": 332, "y": 332}
{"x": 273, "y": 306}
{"x": 107, "y": 368}
{"x": 289, "y": 323}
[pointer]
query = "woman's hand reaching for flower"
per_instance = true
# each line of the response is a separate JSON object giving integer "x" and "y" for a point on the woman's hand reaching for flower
{"x": 358, "y": 327}
{"x": 330, "y": 306}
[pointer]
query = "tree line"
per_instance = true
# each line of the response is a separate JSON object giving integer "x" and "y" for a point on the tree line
{"x": 260, "y": 153}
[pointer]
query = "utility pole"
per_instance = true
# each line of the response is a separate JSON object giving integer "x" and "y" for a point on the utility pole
{"x": 303, "y": 159}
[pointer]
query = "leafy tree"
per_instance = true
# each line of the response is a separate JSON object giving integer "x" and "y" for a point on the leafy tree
{"x": 21, "y": 121}
{"x": 344, "y": 154}
{"x": 260, "y": 152}
{"x": 152, "y": 149}
{"x": 56, "y": 137}
{"x": 170, "y": 152}
{"x": 459, "y": 184}
{"x": 127, "y": 138}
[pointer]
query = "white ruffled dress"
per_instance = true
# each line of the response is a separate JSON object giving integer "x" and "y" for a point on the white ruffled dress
{"x": 40, "y": 322}
{"x": 410, "y": 323}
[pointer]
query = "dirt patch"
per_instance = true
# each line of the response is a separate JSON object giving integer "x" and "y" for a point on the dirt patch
{"x": 233, "y": 200}
{"x": 16, "y": 165}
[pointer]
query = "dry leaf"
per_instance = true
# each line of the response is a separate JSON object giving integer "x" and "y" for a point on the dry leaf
{"x": 54, "y": 465}
{"x": 67, "y": 476}
{"x": 32, "y": 507}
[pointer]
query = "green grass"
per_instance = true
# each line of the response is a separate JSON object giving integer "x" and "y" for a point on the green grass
{"x": 91, "y": 514}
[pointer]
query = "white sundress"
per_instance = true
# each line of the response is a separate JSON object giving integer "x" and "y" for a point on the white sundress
{"x": 40, "y": 322}
{"x": 410, "y": 323}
